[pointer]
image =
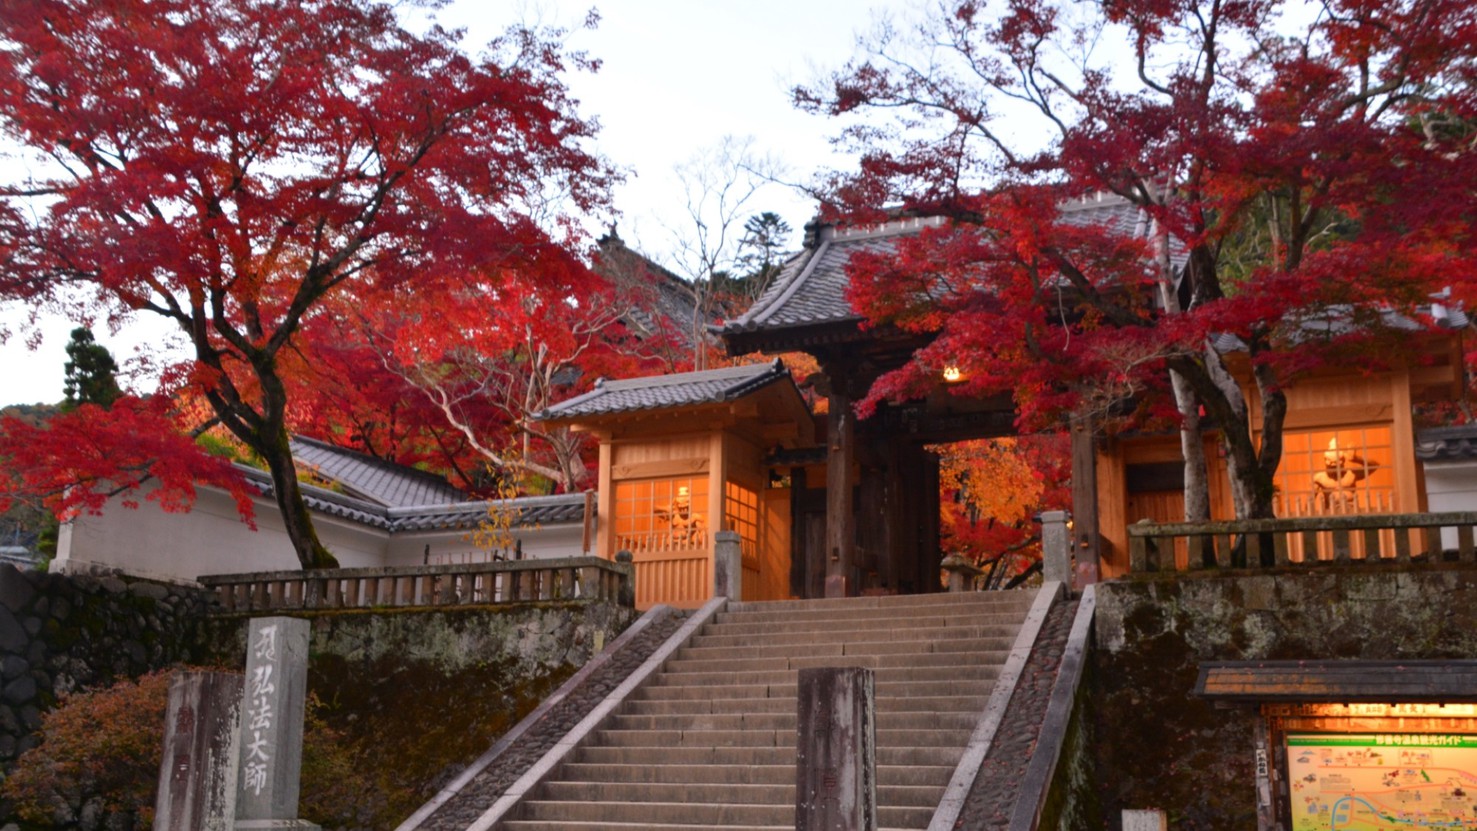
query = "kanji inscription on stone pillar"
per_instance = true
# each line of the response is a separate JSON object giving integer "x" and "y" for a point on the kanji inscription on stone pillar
{"x": 271, "y": 743}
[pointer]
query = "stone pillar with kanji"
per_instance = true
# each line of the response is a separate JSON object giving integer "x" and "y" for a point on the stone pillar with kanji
{"x": 272, "y": 709}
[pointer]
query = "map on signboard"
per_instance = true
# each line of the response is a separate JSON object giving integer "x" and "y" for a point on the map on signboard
{"x": 1382, "y": 781}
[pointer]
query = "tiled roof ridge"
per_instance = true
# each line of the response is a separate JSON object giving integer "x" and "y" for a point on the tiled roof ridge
{"x": 682, "y": 378}
{"x": 414, "y": 517}
{"x": 376, "y": 462}
{"x": 537, "y": 501}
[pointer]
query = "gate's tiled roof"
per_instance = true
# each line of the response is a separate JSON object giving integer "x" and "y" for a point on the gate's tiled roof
{"x": 811, "y": 288}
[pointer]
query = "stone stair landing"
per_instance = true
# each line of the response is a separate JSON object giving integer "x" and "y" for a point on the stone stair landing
{"x": 709, "y": 742}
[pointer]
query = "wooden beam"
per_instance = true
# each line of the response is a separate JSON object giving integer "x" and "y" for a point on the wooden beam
{"x": 665, "y": 467}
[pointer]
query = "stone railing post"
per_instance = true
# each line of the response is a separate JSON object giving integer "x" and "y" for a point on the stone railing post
{"x": 271, "y": 744}
{"x": 728, "y": 565}
{"x": 197, "y": 776}
{"x": 1056, "y": 547}
{"x": 836, "y": 750}
{"x": 1150, "y": 820}
{"x": 625, "y": 595}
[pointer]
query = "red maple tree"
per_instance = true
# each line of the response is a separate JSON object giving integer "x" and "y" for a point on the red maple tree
{"x": 1310, "y": 182}
{"x": 483, "y": 360}
{"x": 232, "y": 165}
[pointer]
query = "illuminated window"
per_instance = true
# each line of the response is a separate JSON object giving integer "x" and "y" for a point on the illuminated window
{"x": 1336, "y": 472}
{"x": 661, "y": 514}
{"x": 741, "y": 514}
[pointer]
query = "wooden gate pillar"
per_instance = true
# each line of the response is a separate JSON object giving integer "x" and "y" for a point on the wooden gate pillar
{"x": 840, "y": 521}
{"x": 1085, "y": 538}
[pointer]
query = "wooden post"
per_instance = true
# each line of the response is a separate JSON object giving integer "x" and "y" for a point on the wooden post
{"x": 588, "y": 538}
{"x": 1084, "y": 536}
{"x": 197, "y": 776}
{"x": 840, "y": 521}
{"x": 835, "y": 750}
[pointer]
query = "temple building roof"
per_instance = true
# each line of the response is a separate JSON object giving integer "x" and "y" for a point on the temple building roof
{"x": 664, "y": 392}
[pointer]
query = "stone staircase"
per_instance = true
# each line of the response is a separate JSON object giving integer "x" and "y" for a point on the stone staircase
{"x": 709, "y": 742}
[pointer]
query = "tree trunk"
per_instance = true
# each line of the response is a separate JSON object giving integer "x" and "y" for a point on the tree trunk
{"x": 296, "y": 517}
{"x": 266, "y": 433}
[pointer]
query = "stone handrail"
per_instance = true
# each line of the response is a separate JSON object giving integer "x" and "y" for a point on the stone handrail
{"x": 590, "y": 579}
{"x": 1342, "y": 539}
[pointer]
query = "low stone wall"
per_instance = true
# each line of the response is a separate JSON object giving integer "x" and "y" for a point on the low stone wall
{"x": 60, "y": 633}
{"x": 1160, "y": 747}
{"x": 418, "y": 694}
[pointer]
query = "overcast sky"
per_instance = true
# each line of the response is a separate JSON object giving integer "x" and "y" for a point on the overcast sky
{"x": 677, "y": 77}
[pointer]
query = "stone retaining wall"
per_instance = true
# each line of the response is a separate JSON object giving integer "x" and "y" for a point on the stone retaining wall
{"x": 61, "y": 633}
{"x": 1160, "y": 747}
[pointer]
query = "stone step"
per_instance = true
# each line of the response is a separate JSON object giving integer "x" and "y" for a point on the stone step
{"x": 780, "y": 676}
{"x": 959, "y": 648}
{"x": 785, "y": 756}
{"x": 709, "y": 743}
{"x": 972, "y": 705}
{"x": 906, "y": 660}
{"x": 886, "y": 737}
{"x": 822, "y": 619}
{"x": 1011, "y": 600}
{"x": 941, "y": 637}
{"x": 566, "y": 825}
{"x": 786, "y": 721}
{"x": 737, "y": 774}
{"x": 716, "y": 813}
{"x": 783, "y": 685}
{"x": 918, "y": 796}
{"x": 824, "y": 613}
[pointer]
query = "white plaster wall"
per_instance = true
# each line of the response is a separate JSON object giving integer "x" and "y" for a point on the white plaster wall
{"x": 212, "y": 539}
{"x": 209, "y": 539}
{"x": 1451, "y": 486}
{"x": 542, "y": 543}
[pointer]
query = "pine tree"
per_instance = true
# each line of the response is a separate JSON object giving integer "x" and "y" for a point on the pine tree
{"x": 92, "y": 374}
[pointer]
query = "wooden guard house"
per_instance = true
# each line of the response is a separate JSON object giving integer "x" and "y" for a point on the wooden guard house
{"x": 1348, "y": 448}
{"x": 683, "y": 456}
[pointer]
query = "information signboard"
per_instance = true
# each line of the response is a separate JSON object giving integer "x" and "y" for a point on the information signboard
{"x": 1382, "y": 781}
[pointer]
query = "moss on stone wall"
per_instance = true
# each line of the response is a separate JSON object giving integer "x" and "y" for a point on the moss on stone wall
{"x": 420, "y": 693}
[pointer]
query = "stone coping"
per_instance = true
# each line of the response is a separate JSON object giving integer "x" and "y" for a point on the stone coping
{"x": 653, "y": 616}
{"x": 1036, "y": 784}
{"x": 951, "y": 805}
{"x": 556, "y": 756}
{"x": 213, "y": 580}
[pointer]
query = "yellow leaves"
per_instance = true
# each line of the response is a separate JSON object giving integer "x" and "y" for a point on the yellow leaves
{"x": 991, "y": 479}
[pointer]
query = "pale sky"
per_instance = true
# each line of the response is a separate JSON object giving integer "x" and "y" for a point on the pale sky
{"x": 677, "y": 77}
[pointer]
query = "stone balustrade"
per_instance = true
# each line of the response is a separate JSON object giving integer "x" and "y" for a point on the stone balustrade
{"x": 1305, "y": 541}
{"x": 590, "y": 579}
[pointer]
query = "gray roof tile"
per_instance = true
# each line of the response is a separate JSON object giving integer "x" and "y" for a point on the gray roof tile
{"x": 373, "y": 479}
{"x": 1447, "y": 444}
{"x": 450, "y": 515}
{"x": 660, "y": 392}
{"x": 811, "y": 289}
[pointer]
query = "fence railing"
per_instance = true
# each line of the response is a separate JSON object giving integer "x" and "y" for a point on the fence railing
{"x": 1255, "y": 543}
{"x": 574, "y": 578}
